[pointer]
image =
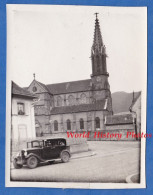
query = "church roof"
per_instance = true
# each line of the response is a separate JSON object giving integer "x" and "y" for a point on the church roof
{"x": 16, "y": 90}
{"x": 97, "y": 106}
{"x": 119, "y": 119}
{"x": 69, "y": 87}
{"x": 44, "y": 86}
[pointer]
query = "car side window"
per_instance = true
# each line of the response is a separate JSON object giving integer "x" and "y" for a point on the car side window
{"x": 48, "y": 144}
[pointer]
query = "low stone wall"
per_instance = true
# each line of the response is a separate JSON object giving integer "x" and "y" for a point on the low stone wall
{"x": 76, "y": 144}
{"x": 112, "y": 135}
{"x": 76, "y": 148}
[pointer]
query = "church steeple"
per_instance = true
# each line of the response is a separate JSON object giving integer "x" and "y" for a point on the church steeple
{"x": 98, "y": 52}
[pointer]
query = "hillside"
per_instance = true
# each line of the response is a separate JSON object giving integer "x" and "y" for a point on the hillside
{"x": 122, "y": 101}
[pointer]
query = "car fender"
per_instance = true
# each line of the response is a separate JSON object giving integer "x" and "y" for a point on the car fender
{"x": 32, "y": 154}
{"x": 65, "y": 151}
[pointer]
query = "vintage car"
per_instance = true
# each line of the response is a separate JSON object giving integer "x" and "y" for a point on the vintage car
{"x": 44, "y": 150}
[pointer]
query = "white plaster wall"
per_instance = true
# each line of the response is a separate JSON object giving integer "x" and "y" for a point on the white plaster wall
{"x": 27, "y": 119}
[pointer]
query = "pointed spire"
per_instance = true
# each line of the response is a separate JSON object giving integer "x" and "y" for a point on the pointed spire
{"x": 98, "y": 52}
{"x": 98, "y": 42}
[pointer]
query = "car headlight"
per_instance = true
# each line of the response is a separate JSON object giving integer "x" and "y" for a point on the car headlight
{"x": 18, "y": 154}
{"x": 25, "y": 153}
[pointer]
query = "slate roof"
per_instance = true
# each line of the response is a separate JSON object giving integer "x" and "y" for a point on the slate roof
{"x": 69, "y": 87}
{"x": 119, "y": 119}
{"x": 16, "y": 90}
{"x": 97, "y": 106}
{"x": 44, "y": 86}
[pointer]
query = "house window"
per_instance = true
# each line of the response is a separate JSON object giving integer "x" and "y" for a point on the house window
{"x": 21, "y": 109}
{"x": 81, "y": 123}
{"x": 55, "y": 126}
{"x": 68, "y": 124}
{"x": 97, "y": 122}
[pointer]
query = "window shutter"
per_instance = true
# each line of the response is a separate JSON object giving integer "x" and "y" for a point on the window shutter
{"x": 26, "y": 108}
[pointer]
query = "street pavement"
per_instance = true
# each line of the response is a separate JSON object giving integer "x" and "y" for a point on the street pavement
{"x": 112, "y": 162}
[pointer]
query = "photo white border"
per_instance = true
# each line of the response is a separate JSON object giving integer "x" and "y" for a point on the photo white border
{"x": 79, "y": 185}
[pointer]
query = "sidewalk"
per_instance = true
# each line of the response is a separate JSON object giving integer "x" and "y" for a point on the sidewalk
{"x": 82, "y": 154}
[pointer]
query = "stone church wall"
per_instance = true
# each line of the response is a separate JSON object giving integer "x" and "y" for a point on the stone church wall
{"x": 77, "y": 99}
{"x": 88, "y": 118}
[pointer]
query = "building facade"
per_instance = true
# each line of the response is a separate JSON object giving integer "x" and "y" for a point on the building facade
{"x": 23, "y": 119}
{"x": 135, "y": 109}
{"x": 77, "y": 105}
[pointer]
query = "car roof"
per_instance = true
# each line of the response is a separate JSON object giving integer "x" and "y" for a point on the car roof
{"x": 47, "y": 138}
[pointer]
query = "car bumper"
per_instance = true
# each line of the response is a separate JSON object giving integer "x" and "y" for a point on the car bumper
{"x": 20, "y": 160}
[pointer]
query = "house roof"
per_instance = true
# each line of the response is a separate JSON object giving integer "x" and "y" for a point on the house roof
{"x": 69, "y": 87}
{"x": 119, "y": 119}
{"x": 16, "y": 90}
{"x": 98, "y": 106}
{"x": 135, "y": 99}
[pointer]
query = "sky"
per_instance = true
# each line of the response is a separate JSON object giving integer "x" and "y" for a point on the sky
{"x": 54, "y": 42}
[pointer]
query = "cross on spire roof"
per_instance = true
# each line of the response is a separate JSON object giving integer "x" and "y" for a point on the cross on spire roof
{"x": 98, "y": 42}
{"x": 96, "y": 14}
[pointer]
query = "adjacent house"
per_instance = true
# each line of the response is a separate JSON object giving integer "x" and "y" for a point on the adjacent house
{"x": 121, "y": 123}
{"x": 23, "y": 120}
{"x": 135, "y": 109}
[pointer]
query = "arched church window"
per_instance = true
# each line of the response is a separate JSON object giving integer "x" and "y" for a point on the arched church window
{"x": 55, "y": 125}
{"x": 98, "y": 64}
{"x": 81, "y": 123}
{"x": 97, "y": 122}
{"x": 68, "y": 124}
{"x": 34, "y": 89}
{"x": 59, "y": 101}
{"x": 105, "y": 85}
{"x": 71, "y": 100}
{"x": 83, "y": 99}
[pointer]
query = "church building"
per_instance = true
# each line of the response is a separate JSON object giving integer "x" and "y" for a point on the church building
{"x": 76, "y": 105}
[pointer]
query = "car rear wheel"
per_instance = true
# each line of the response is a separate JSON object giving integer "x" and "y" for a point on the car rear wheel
{"x": 65, "y": 157}
{"x": 32, "y": 162}
{"x": 16, "y": 166}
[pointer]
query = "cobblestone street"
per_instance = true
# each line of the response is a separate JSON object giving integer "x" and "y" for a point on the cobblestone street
{"x": 113, "y": 162}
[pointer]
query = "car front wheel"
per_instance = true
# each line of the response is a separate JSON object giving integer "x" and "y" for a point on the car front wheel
{"x": 16, "y": 166}
{"x": 32, "y": 162}
{"x": 65, "y": 157}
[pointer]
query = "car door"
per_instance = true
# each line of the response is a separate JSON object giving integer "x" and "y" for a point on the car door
{"x": 50, "y": 152}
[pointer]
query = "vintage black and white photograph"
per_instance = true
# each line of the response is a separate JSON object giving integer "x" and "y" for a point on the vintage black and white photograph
{"x": 76, "y": 96}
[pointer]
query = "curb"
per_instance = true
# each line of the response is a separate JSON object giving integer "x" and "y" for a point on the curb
{"x": 82, "y": 154}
